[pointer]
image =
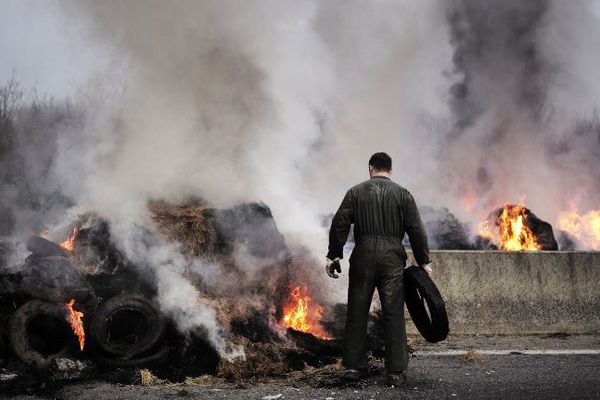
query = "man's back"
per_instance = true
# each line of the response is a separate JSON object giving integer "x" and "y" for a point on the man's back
{"x": 379, "y": 207}
{"x": 382, "y": 212}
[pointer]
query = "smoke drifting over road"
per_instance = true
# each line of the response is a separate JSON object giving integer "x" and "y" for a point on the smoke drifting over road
{"x": 478, "y": 102}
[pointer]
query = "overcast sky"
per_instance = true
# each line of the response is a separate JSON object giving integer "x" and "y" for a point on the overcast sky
{"x": 44, "y": 48}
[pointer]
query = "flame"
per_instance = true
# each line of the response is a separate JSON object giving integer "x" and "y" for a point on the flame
{"x": 585, "y": 227}
{"x": 513, "y": 234}
{"x": 76, "y": 323}
{"x": 69, "y": 244}
{"x": 301, "y": 316}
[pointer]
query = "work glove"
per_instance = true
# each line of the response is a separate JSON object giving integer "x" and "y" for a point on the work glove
{"x": 332, "y": 266}
{"x": 428, "y": 269}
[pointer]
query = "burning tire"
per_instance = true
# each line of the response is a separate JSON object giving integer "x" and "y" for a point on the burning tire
{"x": 425, "y": 305}
{"x": 39, "y": 332}
{"x": 127, "y": 326}
{"x": 41, "y": 247}
{"x": 151, "y": 361}
{"x": 53, "y": 279}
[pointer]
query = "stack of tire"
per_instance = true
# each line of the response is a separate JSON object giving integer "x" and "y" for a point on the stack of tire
{"x": 38, "y": 333}
{"x": 127, "y": 332}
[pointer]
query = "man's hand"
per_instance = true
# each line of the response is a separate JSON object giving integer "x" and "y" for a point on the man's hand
{"x": 428, "y": 269}
{"x": 332, "y": 266}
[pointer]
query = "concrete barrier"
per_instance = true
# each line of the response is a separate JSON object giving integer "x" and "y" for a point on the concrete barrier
{"x": 493, "y": 292}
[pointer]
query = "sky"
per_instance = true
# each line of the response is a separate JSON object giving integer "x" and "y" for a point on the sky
{"x": 38, "y": 46}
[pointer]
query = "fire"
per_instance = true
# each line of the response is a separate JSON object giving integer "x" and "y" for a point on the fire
{"x": 69, "y": 244}
{"x": 585, "y": 227}
{"x": 76, "y": 323}
{"x": 300, "y": 315}
{"x": 513, "y": 234}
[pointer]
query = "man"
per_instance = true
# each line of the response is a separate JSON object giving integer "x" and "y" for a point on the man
{"x": 382, "y": 212}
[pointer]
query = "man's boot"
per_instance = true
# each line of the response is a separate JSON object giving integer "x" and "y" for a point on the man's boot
{"x": 354, "y": 375}
{"x": 394, "y": 380}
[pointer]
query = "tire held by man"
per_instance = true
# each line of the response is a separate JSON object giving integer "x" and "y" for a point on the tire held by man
{"x": 425, "y": 305}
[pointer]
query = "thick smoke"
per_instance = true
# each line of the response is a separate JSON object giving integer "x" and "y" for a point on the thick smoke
{"x": 521, "y": 130}
{"x": 478, "y": 102}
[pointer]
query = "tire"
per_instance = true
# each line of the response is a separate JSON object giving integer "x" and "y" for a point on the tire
{"x": 42, "y": 247}
{"x": 39, "y": 333}
{"x": 431, "y": 320}
{"x": 143, "y": 330}
{"x": 152, "y": 361}
{"x": 53, "y": 279}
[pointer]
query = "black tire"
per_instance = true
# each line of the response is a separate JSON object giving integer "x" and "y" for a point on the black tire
{"x": 42, "y": 247}
{"x": 53, "y": 279}
{"x": 140, "y": 334}
{"x": 425, "y": 305}
{"x": 39, "y": 333}
{"x": 152, "y": 361}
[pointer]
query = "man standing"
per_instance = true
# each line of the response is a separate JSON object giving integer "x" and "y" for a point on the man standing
{"x": 382, "y": 212}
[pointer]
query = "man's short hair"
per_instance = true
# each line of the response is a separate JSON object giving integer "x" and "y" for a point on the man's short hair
{"x": 381, "y": 162}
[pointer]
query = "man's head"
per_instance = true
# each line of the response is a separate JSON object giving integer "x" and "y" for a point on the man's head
{"x": 380, "y": 164}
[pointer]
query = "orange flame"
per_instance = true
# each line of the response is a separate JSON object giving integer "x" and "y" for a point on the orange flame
{"x": 585, "y": 227}
{"x": 76, "y": 323}
{"x": 513, "y": 234}
{"x": 69, "y": 244}
{"x": 301, "y": 316}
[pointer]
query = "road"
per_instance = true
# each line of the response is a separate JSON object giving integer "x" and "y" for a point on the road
{"x": 442, "y": 372}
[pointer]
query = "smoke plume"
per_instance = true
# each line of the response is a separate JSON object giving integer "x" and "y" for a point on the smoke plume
{"x": 477, "y": 102}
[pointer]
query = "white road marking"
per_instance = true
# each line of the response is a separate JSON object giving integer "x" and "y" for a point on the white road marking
{"x": 511, "y": 352}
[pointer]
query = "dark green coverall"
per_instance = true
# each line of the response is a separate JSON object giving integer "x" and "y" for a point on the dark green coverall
{"x": 382, "y": 212}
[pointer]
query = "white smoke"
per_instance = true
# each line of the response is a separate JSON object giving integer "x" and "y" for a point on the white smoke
{"x": 284, "y": 102}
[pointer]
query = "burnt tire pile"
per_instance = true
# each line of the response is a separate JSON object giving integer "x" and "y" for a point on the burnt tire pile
{"x": 126, "y": 332}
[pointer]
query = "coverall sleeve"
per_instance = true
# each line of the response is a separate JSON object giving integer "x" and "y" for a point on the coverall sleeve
{"x": 340, "y": 227}
{"x": 416, "y": 232}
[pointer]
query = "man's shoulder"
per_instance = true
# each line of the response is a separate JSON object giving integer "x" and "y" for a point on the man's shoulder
{"x": 365, "y": 185}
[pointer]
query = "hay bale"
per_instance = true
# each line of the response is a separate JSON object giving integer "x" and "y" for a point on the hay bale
{"x": 188, "y": 224}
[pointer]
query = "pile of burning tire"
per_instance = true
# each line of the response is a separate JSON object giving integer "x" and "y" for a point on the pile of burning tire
{"x": 126, "y": 331}
{"x": 123, "y": 330}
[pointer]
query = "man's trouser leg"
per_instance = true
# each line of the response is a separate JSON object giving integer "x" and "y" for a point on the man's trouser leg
{"x": 390, "y": 286}
{"x": 360, "y": 293}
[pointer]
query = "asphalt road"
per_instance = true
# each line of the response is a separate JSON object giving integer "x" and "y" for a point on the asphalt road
{"x": 562, "y": 376}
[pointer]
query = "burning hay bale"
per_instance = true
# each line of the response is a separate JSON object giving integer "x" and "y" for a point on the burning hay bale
{"x": 516, "y": 228}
